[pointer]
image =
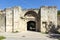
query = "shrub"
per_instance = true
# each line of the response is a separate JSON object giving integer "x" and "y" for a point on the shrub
{"x": 15, "y": 32}
{"x": 2, "y": 37}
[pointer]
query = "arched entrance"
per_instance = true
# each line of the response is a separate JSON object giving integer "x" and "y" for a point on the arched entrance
{"x": 31, "y": 25}
{"x": 32, "y": 18}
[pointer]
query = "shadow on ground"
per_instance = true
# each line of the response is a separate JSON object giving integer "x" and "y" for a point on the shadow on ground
{"x": 55, "y": 36}
{"x": 54, "y": 33}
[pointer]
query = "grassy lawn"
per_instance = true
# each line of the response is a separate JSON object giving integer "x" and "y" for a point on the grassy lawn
{"x": 2, "y": 37}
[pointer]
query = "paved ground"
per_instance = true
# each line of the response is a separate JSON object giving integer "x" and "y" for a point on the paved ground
{"x": 28, "y": 35}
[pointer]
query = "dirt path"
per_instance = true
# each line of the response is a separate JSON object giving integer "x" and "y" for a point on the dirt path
{"x": 28, "y": 35}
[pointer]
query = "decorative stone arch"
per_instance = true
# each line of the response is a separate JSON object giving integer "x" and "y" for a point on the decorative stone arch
{"x": 32, "y": 13}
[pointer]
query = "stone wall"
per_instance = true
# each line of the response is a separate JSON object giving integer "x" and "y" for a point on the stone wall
{"x": 48, "y": 14}
{"x": 2, "y": 22}
{"x": 19, "y": 24}
{"x": 58, "y": 19}
{"x": 9, "y": 18}
{"x": 58, "y": 23}
{"x": 13, "y": 21}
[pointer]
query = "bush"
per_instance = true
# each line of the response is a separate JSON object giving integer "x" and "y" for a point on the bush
{"x": 58, "y": 12}
{"x": 15, "y": 32}
{"x": 59, "y": 38}
{"x": 2, "y": 37}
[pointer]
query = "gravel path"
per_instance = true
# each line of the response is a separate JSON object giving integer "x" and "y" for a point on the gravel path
{"x": 28, "y": 35}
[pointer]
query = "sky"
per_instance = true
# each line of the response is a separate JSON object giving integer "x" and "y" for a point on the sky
{"x": 26, "y": 4}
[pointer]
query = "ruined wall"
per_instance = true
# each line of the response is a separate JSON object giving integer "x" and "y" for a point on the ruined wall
{"x": 13, "y": 21}
{"x": 58, "y": 20}
{"x": 19, "y": 24}
{"x": 9, "y": 18}
{"x": 48, "y": 14}
{"x": 16, "y": 21}
{"x": 58, "y": 23}
{"x": 2, "y": 22}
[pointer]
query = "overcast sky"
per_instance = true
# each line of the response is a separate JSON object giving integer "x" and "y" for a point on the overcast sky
{"x": 29, "y": 3}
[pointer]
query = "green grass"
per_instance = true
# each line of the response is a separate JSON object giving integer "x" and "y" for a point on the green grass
{"x": 2, "y": 37}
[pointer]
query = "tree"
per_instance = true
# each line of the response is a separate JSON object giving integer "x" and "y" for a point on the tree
{"x": 58, "y": 12}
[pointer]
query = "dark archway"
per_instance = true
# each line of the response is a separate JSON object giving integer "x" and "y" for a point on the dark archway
{"x": 33, "y": 16}
{"x": 31, "y": 25}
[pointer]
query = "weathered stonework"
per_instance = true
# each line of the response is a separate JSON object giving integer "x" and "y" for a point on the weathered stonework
{"x": 48, "y": 14}
{"x": 17, "y": 19}
{"x": 2, "y": 21}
